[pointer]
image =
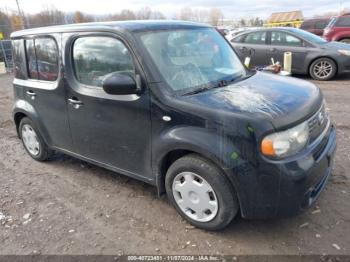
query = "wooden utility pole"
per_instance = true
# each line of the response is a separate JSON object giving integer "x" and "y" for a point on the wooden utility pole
{"x": 341, "y": 7}
{"x": 21, "y": 15}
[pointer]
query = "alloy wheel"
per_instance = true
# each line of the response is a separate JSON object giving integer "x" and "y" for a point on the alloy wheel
{"x": 323, "y": 69}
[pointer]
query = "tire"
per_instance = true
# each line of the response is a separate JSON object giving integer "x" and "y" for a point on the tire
{"x": 345, "y": 40}
{"x": 36, "y": 148}
{"x": 202, "y": 173}
{"x": 323, "y": 69}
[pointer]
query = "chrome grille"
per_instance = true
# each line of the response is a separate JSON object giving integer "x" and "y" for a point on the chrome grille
{"x": 317, "y": 123}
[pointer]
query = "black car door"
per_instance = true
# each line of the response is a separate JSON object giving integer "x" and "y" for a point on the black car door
{"x": 113, "y": 130}
{"x": 44, "y": 88}
{"x": 252, "y": 45}
{"x": 281, "y": 42}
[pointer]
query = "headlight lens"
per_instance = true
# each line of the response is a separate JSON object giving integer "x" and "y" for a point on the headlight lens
{"x": 286, "y": 143}
{"x": 344, "y": 52}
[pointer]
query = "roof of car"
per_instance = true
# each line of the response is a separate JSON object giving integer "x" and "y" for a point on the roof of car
{"x": 290, "y": 29}
{"x": 317, "y": 19}
{"x": 132, "y": 25}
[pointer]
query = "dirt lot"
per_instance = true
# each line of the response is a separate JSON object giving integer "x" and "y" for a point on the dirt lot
{"x": 67, "y": 206}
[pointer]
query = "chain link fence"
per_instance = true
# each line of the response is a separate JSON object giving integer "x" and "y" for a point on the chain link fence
{"x": 6, "y": 54}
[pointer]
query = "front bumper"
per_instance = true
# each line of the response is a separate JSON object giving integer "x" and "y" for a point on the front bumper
{"x": 300, "y": 192}
{"x": 282, "y": 189}
{"x": 343, "y": 64}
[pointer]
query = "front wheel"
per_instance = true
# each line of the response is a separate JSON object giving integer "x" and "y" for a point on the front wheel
{"x": 201, "y": 193}
{"x": 323, "y": 69}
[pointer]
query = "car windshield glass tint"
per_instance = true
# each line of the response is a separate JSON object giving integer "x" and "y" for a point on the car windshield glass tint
{"x": 191, "y": 59}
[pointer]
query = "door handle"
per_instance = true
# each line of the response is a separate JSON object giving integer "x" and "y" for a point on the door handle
{"x": 31, "y": 94}
{"x": 273, "y": 49}
{"x": 242, "y": 48}
{"x": 75, "y": 102}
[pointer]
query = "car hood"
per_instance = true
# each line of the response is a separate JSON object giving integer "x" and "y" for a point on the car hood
{"x": 280, "y": 99}
{"x": 336, "y": 45}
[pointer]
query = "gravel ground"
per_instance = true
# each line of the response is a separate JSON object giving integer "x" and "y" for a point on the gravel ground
{"x": 67, "y": 206}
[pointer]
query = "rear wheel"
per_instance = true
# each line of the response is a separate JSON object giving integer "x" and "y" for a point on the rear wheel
{"x": 323, "y": 69}
{"x": 201, "y": 193}
{"x": 345, "y": 40}
{"x": 32, "y": 141}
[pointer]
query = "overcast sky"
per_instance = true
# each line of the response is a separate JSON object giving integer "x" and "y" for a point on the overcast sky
{"x": 231, "y": 8}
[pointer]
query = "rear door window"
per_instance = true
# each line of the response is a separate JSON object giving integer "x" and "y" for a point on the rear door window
{"x": 42, "y": 59}
{"x": 284, "y": 39}
{"x": 47, "y": 58}
{"x": 31, "y": 59}
{"x": 256, "y": 38}
{"x": 307, "y": 25}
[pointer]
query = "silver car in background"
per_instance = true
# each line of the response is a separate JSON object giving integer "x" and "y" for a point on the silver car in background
{"x": 311, "y": 54}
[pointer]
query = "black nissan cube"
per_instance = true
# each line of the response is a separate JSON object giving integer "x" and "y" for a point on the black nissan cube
{"x": 169, "y": 103}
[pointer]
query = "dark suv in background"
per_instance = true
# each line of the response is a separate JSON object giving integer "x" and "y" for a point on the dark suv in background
{"x": 338, "y": 29}
{"x": 315, "y": 26}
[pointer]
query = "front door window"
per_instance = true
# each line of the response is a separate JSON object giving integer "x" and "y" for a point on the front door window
{"x": 96, "y": 57}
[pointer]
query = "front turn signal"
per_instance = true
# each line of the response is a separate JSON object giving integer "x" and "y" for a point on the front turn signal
{"x": 267, "y": 147}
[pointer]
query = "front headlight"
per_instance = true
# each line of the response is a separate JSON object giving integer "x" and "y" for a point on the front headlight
{"x": 344, "y": 52}
{"x": 286, "y": 143}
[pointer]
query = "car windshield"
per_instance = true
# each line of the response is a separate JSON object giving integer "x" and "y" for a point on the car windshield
{"x": 312, "y": 38}
{"x": 331, "y": 22}
{"x": 192, "y": 59}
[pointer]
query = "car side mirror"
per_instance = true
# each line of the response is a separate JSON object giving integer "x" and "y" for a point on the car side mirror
{"x": 120, "y": 84}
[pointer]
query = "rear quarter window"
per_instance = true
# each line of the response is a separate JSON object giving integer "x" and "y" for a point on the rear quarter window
{"x": 47, "y": 58}
{"x": 19, "y": 59}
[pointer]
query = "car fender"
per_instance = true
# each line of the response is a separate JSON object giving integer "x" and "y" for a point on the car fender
{"x": 23, "y": 107}
{"x": 215, "y": 145}
{"x": 340, "y": 35}
{"x": 312, "y": 57}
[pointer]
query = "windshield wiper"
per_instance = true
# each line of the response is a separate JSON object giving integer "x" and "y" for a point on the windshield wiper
{"x": 217, "y": 84}
{"x": 199, "y": 90}
{"x": 224, "y": 82}
{"x": 241, "y": 77}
